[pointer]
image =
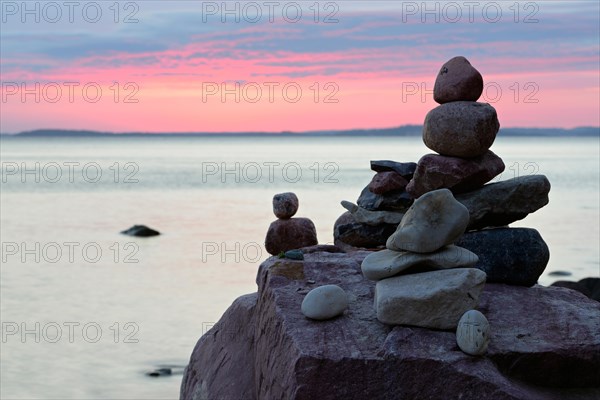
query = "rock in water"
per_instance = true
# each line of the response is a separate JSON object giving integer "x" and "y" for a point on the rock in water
{"x": 369, "y": 217}
{"x": 461, "y": 129}
{"x": 457, "y": 80}
{"x": 386, "y": 263}
{"x": 387, "y": 181}
{"x": 290, "y": 234}
{"x": 454, "y": 173}
{"x": 140, "y": 231}
{"x": 406, "y": 169}
{"x": 434, "y": 299}
{"x": 347, "y": 231}
{"x": 499, "y": 204}
{"x": 435, "y": 220}
{"x": 473, "y": 333}
{"x": 325, "y": 302}
{"x": 515, "y": 256}
{"x": 285, "y": 205}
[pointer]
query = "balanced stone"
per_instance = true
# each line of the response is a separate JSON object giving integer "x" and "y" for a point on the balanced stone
{"x": 457, "y": 174}
{"x": 289, "y": 234}
{"x": 461, "y": 128}
{"x": 457, "y": 80}
{"x": 387, "y": 263}
{"x": 325, "y": 302}
{"x": 515, "y": 256}
{"x": 435, "y": 299}
{"x": 406, "y": 169}
{"x": 499, "y": 204}
{"x": 397, "y": 200}
{"x": 435, "y": 220}
{"x": 140, "y": 231}
{"x": 347, "y": 232}
{"x": 387, "y": 181}
{"x": 285, "y": 205}
{"x": 368, "y": 217}
{"x": 473, "y": 333}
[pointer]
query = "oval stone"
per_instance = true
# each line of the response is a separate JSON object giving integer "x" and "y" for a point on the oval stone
{"x": 461, "y": 129}
{"x": 324, "y": 302}
{"x": 473, "y": 333}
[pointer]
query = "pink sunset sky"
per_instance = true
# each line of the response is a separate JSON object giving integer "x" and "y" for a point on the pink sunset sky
{"x": 178, "y": 67}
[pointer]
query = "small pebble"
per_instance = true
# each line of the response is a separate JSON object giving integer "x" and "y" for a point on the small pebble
{"x": 473, "y": 333}
{"x": 310, "y": 281}
{"x": 285, "y": 205}
{"x": 294, "y": 255}
{"x": 560, "y": 273}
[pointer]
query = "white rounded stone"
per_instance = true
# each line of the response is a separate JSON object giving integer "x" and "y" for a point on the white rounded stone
{"x": 473, "y": 333}
{"x": 325, "y": 302}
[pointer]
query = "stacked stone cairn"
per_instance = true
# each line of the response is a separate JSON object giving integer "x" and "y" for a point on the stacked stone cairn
{"x": 444, "y": 227}
{"x": 286, "y": 233}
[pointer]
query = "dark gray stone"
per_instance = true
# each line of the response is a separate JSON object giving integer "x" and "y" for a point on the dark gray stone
{"x": 501, "y": 203}
{"x": 140, "y": 231}
{"x": 294, "y": 255}
{"x": 515, "y": 256}
{"x": 406, "y": 169}
{"x": 398, "y": 200}
{"x": 349, "y": 232}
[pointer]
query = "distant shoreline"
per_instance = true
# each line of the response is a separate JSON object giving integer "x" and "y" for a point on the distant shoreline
{"x": 407, "y": 130}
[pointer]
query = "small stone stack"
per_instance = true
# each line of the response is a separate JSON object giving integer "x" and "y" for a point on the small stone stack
{"x": 287, "y": 233}
{"x": 461, "y": 130}
{"x": 422, "y": 279}
{"x": 379, "y": 208}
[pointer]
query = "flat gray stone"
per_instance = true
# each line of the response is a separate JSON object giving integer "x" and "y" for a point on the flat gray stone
{"x": 435, "y": 299}
{"x": 364, "y": 216}
{"x": 386, "y": 263}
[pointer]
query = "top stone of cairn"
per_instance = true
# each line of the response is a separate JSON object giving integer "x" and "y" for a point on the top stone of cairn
{"x": 457, "y": 80}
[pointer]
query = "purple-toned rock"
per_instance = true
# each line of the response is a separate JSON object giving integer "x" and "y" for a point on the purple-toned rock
{"x": 348, "y": 232}
{"x": 388, "y": 181}
{"x": 406, "y": 169}
{"x": 457, "y": 174}
{"x": 289, "y": 234}
{"x": 544, "y": 344}
{"x": 285, "y": 205}
{"x": 461, "y": 129}
{"x": 457, "y": 80}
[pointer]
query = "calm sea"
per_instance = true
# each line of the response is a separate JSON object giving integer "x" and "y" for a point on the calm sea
{"x": 86, "y": 311}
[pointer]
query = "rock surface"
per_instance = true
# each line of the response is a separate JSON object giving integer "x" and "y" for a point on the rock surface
{"x": 457, "y": 174}
{"x": 397, "y": 200}
{"x": 457, "y": 80}
{"x": 347, "y": 231}
{"x": 435, "y": 299}
{"x": 545, "y": 344}
{"x": 369, "y": 217}
{"x": 515, "y": 256}
{"x": 324, "y": 302}
{"x": 140, "y": 231}
{"x": 435, "y": 220}
{"x": 387, "y": 263}
{"x": 406, "y": 170}
{"x": 290, "y": 234}
{"x": 501, "y": 203}
{"x": 461, "y": 129}
{"x": 473, "y": 333}
{"x": 387, "y": 181}
{"x": 285, "y": 205}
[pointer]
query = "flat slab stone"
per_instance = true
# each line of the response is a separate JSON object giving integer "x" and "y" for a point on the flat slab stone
{"x": 435, "y": 299}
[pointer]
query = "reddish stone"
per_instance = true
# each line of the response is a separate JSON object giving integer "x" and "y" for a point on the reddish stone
{"x": 544, "y": 344}
{"x": 290, "y": 234}
{"x": 388, "y": 181}
{"x": 285, "y": 205}
{"x": 457, "y": 80}
{"x": 457, "y": 174}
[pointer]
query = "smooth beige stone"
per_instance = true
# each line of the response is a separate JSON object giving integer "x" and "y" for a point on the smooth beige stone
{"x": 473, "y": 333}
